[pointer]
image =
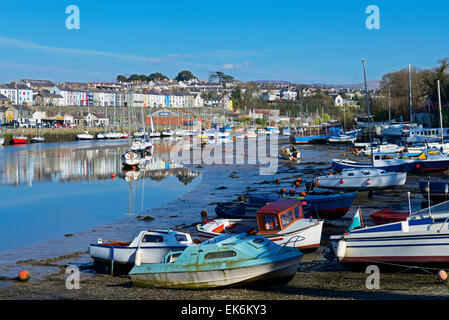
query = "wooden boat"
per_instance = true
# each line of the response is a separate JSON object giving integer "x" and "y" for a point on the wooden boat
{"x": 422, "y": 239}
{"x": 224, "y": 261}
{"x": 388, "y": 216}
{"x": 362, "y": 179}
{"x": 281, "y": 221}
{"x": 329, "y": 206}
{"x": 150, "y": 246}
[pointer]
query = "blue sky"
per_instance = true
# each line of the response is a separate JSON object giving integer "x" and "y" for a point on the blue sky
{"x": 299, "y": 41}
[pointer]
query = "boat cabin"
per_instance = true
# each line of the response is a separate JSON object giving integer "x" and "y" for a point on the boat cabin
{"x": 278, "y": 215}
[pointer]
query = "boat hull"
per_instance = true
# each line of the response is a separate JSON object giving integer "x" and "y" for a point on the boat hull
{"x": 275, "y": 273}
{"x": 19, "y": 140}
{"x": 365, "y": 183}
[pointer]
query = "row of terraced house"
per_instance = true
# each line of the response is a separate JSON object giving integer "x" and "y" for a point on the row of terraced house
{"x": 45, "y": 93}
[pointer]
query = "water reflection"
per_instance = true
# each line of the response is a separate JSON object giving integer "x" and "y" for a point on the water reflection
{"x": 74, "y": 163}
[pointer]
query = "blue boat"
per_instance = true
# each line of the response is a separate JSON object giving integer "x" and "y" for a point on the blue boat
{"x": 223, "y": 261}
{"x": 328, "y": 206}
{"x": 315, "y": 134}
{"x": 428, "y": 161}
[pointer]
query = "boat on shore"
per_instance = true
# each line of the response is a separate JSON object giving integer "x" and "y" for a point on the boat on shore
{"x": 281, "y": 221}
{"x": 149, "y": 246}
{"x": 422, "y": 239}
{"x": 361, "y": 180}
{"x": 223, "y": 261}
{"x": 19, "y": 139}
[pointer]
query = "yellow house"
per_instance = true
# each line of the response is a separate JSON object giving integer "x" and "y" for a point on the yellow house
{"x": 9, "y": 115}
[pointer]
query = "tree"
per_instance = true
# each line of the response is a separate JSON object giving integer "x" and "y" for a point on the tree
{"x": 134, "y": 77}
{"x": 220, "y": 77}
{"x": 143, "y": 78}
{"x": 157, "y": 76}
{"x": 185, "y": 76}
{"x": 121, "y": 78}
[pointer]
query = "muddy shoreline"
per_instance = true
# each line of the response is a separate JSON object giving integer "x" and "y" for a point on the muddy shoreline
{"x": 319, "y": 276}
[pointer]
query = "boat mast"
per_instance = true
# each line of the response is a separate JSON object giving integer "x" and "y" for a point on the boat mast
{"x": 441, "y": 118}
{"x": 389, "y": 106}
{"x": 410, "y": 92}
{"x": 367, "y": 110}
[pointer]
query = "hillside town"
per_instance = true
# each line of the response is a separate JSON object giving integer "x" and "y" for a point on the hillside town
{"x": 32, "y": 102}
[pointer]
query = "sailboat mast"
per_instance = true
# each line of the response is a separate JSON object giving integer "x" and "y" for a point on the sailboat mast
{"x": 410, "y": 92}
{"x": 441, "y": 117}
{"x": 389, "y": 106}
{"x": 367, "y": 110}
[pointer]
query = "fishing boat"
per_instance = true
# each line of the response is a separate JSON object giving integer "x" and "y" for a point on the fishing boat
{"x": 149, "y": 246}
{"x": 19, "y": 139}
{"x": 131, "y": 158}
{"x": 84, "y": 136}
{"x": 315, "y": 134}
{"x": 281, "y": 221}
{"x": 224, "y": 261}
{"x": 428, "y": 161}
{"x": 290, "y": 153}
{"x": 329, "y": 206}
{"x": 422, "y": 239}
{"x": 361, "y": 180}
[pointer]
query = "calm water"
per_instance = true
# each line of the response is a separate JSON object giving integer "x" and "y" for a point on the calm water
{"x": 48, "y": 190}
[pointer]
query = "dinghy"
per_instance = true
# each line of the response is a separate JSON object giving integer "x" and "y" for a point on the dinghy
{"x": 130, "y": 158}
{"x": 148, "y": 246}
{"x": 281, "y": 221}
{"x": 290, "y": 153}
{"x": 362, "y": 180}
{"x": 224, "y": 261}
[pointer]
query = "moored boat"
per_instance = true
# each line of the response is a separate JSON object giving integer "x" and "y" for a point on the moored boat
{"x": 20, "y": 139}
{"x": 281, "y": 221}
{"x": 149, "y": 246}
{"x": 84, "y": 136}
{"x": 422, "y": 239}
{"x": 224, "y": 261}
{"x": 361, "y": 179}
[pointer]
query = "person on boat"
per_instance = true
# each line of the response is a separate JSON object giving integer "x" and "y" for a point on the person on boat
{"x": 293, "y": 152}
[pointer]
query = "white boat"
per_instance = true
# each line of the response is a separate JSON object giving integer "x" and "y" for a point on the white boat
{"x": 422, "y": 239}
{"x": 84, "y": 136}
{"x": 443, "y": 147}
{"x": 167, "y": 133}
{"x": 383, "y": 148}
{"x": 149, "y": 246}
{"x": 38, "y": 139}
{"x": 155, "y": 134}
{"x": 281, "y": 221}
{"x": 101, "y": 135}
{"x": 286, "y": 132}
{"x": 361, "y": 179}
{"x": 113, "y": 135}
{"x": 251, "y": 134}
{"x": 342, "y": 139}
{"x": 2, "y": 141}
{"x": 130, "y": 158}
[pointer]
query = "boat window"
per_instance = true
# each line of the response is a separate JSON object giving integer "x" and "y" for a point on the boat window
{"x": 287, "y": 218}
{"x": 153, "y": 238}
{"x": 181, "y": 237}
{"x": 258, "y": 240}
{"x": 350, "y": 174}
{"x": 270, "y": 223}
{"x": 298, "y": 212}
{"x": 220, "y": 254}
{"x": 366, "y": 173}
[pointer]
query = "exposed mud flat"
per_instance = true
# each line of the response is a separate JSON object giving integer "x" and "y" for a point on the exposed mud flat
{"x": 319, "y": 276}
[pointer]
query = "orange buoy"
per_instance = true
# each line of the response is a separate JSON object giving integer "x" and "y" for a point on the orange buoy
{"x": 114, "y": 175}
{"x": 278, "y": 181}
{"x": 303, "y": 194}
{"x": 299, "y": 179}
{"x": 292, "y": 192}
{"x": 297, "y": 183}
{"x": 342, "y": 181}
{"x": 24, "y": 276}
{"x": 283, "y": 190}
{"x": 442, "y": 275}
